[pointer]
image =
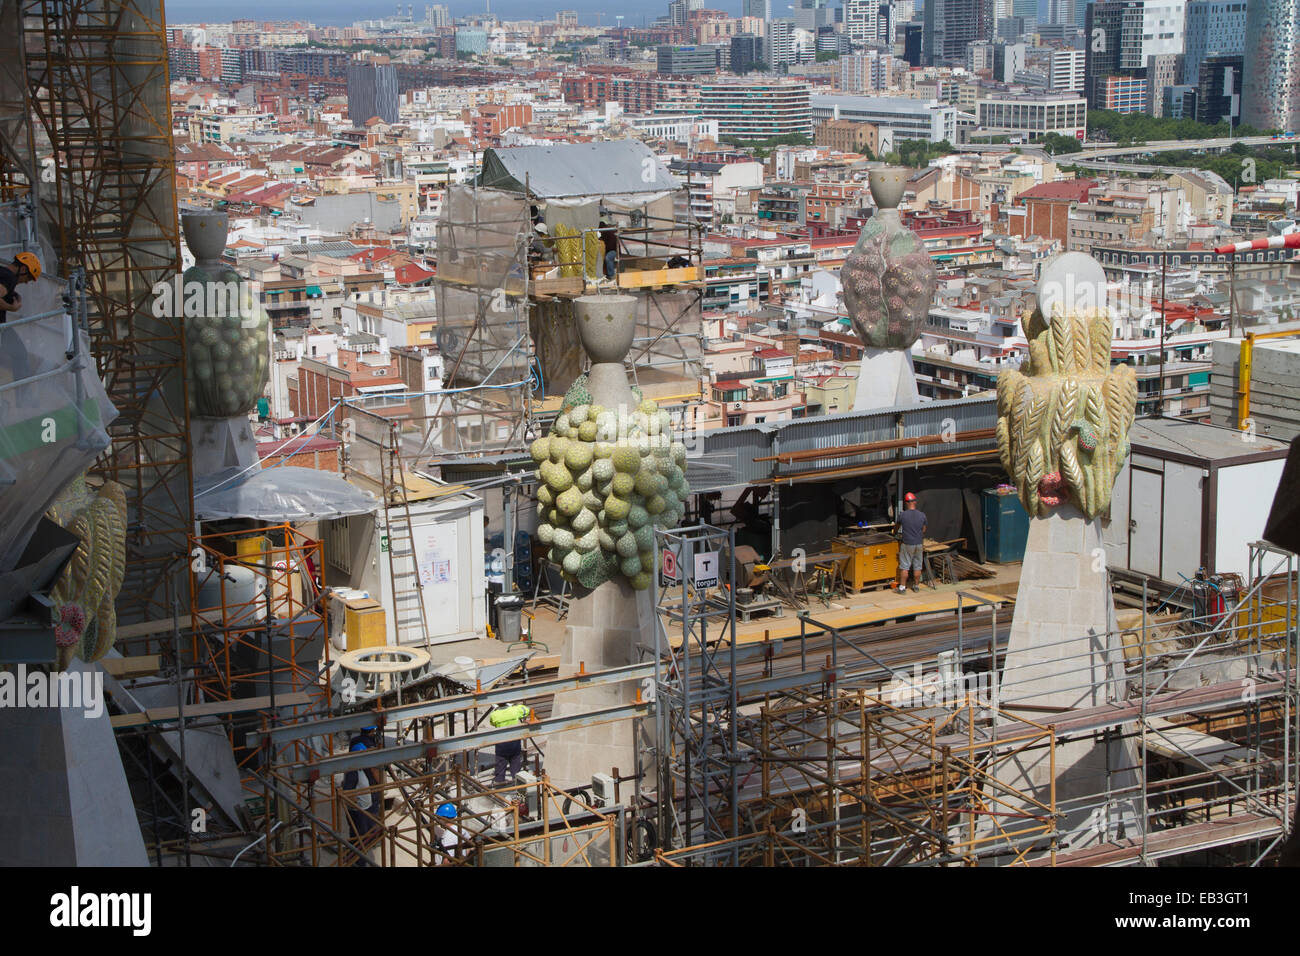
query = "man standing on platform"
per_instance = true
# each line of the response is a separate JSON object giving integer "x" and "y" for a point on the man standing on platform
{"x": 911, "y": 553}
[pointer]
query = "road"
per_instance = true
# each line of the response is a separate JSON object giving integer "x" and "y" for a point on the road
{"x": 1098, "y": 158}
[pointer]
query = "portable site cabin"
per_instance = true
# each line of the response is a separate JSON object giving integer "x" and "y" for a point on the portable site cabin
{"x": 443, "y": 547}
{"x": 1190, "y": 496}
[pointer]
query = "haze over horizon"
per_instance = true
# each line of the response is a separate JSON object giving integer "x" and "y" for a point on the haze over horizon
{"x": 339, "y": 13}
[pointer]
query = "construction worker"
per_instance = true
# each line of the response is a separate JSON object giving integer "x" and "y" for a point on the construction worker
{"x": 362, "y": 807}
{"x": 446, "y": 835}
{"x": 911, "y": 551}
{"x": 609, "y": 240}
{"x": 25, "y": 268}
{"x": 510, "y": 754}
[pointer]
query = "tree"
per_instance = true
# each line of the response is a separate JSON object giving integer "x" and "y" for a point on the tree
{"x": 1056, "y": 144}
{"x": 825, "y": 55}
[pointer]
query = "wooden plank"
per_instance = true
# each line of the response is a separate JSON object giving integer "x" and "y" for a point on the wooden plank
{"x": 127, "y": 720}
{"x": 887, "y": 606}
{"x": 138, "y": 666}
{"x": 217, "y": 708}
{"x": 149, "y": 628}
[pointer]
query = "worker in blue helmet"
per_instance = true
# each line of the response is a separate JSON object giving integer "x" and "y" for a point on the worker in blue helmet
{"x": 446, "y": 831}
{"x": 362, "y": 801}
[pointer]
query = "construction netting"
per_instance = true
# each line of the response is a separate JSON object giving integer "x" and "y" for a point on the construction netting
{"x": 53, "y": 409}
{"x": 481, "y": 289}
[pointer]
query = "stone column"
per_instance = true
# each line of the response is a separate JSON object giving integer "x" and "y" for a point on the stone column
{"x": 888, "y": 283}
{"x": 1064, "y": 652}
{"x": 605, "y": 624}
{"x": 1063, "y": 423}
{"x": 217, "y": 441}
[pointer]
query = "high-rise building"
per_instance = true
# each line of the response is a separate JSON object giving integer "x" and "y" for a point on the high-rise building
{"x": 1067, "y": 70}
{"x": 787, "y": 44}
{"x": 1218, "y": 91}
{"x": 757, "y": 8}
{"x": 437, "y": 16}
{"x": 1008, "y": 60}
{"x": 1122, "y": 36}
{"x": 568, "y": 19}
{"x": 912, "y": 37}
{"x": 746, "y": 50}
{"x": 870, "y": 72}
{"x": 679, "y": 11}
{"x": 1270, "y": 84}
{"x": 950, "y": 26}
{"x": 372, "y": 91}
{"x": 686, "y": 60}
{"x": 861, "y": 20}
{"x": 1163, "y": 70}
{"x": 811, "y": 15}
{"x": 1061, "y": 11}
{"x": 758, "y": 110}
{"x": 1025, "y": 8}
{"x": 1214, "y": 28}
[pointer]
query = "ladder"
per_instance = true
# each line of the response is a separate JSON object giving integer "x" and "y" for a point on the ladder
{"x": 410, "y": 623}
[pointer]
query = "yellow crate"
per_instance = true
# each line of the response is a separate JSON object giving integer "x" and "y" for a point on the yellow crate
{"x": 365, "y": 624}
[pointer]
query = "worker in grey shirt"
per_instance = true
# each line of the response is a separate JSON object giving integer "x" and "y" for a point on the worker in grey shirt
{"x": 911, "y": 525}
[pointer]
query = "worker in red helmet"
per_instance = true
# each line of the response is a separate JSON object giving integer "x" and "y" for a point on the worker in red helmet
{"x": 911, "y": 550}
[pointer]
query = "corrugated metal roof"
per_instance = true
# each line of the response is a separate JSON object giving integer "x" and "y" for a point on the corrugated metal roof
{"x": 726, "y": 457}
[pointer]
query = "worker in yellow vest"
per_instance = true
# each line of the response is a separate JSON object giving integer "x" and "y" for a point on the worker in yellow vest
{"x": 509, "y": 754}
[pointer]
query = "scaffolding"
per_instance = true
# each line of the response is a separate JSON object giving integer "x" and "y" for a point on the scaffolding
{"x": 97, "y": 70}
{"x": 890, "y": 754}
{"x": 431, "y": 754}
{"x": 505, "y": 314}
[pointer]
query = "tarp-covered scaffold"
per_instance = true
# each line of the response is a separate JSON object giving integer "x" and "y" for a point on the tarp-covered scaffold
{"x": 285, "y": 493}
{"x": 620, "y": 172}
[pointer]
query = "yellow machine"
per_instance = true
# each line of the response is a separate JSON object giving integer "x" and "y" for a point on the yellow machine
{"x": 872, "y": 558}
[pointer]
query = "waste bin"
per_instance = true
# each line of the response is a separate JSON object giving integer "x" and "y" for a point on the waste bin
{"x": 509, "y": 609}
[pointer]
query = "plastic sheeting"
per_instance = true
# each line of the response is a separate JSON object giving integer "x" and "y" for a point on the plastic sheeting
{"x": 622, "y": 168}
{"x": 285, "y": 493}
{"x": 53, "y": 412}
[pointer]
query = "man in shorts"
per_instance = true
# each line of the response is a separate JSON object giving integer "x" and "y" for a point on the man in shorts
{"x": 911, "y": 525}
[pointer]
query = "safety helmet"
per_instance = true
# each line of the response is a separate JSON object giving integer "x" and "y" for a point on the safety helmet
{"x": 447, "y": 811}
{"x": 909, "y": 497}
{"x": 29, "y": 260}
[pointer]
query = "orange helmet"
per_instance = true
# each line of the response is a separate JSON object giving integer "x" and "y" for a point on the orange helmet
{"x": 32, "y": 264}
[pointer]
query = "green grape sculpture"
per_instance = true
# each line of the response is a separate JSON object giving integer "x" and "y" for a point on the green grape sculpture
{"x": 607, "y": 479}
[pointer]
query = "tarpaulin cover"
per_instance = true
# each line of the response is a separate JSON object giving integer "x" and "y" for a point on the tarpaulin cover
{"x": 623, "y": 168}
{"x": 278, "y": 494}
{"x": 53, "y": 412}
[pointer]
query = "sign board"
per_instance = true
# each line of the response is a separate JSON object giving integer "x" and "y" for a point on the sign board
{"x": 669, "y": 566}
{"x": 706, "y": 569}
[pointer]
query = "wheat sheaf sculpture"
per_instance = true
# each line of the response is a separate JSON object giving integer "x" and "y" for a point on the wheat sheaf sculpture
{"x": 1064, "y": 417}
